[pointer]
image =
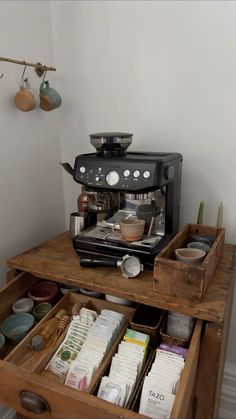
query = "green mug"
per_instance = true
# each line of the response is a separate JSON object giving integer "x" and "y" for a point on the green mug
{"x": 49, "y": 97}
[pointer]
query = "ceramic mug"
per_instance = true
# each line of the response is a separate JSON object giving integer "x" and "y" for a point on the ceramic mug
{"x": 49, "y": 97}
{"x": 24, "y": 98}
{"x": 132, "y": 229}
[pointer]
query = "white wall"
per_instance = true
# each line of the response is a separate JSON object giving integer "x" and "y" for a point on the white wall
{"x": 31, "y": 194}
{"x": 164, "y": 71}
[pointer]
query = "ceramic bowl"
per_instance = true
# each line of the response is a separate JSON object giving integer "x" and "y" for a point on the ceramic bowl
{"x": 199, "y": 245}
{"x": 23, "y": 305}
{"x": 118, "y": 300}
{"x": 190, "y": 256}
{"x": 44, "y": 292}
{"x": 40, "y": 310}
{"x": 204, "y": 238}
{"x": 67, "y": 288}
{"x": 90, "y": 293}
{"x": 15, "y": 327}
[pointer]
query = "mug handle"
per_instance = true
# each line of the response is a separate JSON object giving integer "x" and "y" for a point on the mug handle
{"x": 44, "y": 87}
{"x": 24, "y": 84}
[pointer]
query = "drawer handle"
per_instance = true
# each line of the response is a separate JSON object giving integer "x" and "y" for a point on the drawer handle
{"x": 33, "y": 402}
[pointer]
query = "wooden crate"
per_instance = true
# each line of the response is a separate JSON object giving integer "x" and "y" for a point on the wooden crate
{"x": 179, "y": 279}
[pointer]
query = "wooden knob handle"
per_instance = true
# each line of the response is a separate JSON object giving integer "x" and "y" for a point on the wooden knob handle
{"x": 33, "y": 402}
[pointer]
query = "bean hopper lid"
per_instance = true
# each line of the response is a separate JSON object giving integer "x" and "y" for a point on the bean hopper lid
{"x": 111, "y": 143}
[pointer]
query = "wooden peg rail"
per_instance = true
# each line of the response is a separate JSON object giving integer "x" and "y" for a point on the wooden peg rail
{"x": 39, "y": 68}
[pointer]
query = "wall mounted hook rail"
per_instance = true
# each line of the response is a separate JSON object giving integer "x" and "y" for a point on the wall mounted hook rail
{"x": 39, "y": 68}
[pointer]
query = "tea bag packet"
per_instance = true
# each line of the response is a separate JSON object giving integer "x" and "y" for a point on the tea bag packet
{"x": 155, "y": 402}
{"x": 110, "y": 314}
{"x": 174, "y": 349}
{"x": 112, "y": 392}
{"x": 74, "y": 340}
{"x": 126, "y": 380}
{"x": 87, "y": 316}
{"x": 160, "y": 385}
{"x": 79, "y": 375}
{"x": 96, "y": 334}
{"x": 179, "y": 325}
{"x": 60, "y": 362}
{"x": 126, "y": 365}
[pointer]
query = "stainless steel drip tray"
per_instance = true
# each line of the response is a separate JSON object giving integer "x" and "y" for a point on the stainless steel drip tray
{"x": 106, "y": 234}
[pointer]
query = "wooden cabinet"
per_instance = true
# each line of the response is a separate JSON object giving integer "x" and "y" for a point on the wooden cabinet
{"x": 200, "y": 383}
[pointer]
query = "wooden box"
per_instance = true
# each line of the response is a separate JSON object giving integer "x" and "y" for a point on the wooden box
{"x": 179, "y": 279}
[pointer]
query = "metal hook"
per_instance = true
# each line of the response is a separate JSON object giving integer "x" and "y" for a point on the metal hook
{"x": 44, "y": 75}
{"x": 1, "y": 76}
{"x": 23, "y": 72}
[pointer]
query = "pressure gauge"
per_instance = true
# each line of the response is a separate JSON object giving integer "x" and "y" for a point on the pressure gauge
{"x": 112, "y": 178}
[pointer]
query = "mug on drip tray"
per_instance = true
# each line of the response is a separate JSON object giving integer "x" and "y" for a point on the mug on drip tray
{"x": 132, "y": 229}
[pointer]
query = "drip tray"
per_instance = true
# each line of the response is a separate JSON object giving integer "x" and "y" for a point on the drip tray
{"x": 106, "y": 234}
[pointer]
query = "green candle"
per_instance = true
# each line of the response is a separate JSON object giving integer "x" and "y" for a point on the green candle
{"x": 220, "y": 216}
{"x": 200, "y": 213}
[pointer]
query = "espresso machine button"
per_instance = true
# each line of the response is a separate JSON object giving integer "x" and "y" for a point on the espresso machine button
{"x": 126, "y": 173}
{"x": 136, "y": 173}
{"x": 146, "y": 174}
{"x": 112, "y": 178}
{"x": 82, "y": 169}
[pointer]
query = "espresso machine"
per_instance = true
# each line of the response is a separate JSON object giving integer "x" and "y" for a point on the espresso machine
{"x": 121, "y": 184}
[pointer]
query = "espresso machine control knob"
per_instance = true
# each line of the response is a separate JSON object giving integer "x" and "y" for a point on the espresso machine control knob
{"x": 136, "y": 173}
{"x": 82, "y": 169}
{"x": 146, "y": 174}
{"x": 112, "y": 178}
{"x": 126, "y": 172}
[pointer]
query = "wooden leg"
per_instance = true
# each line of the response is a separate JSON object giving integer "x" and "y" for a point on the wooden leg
{"x": 208, "y": 371}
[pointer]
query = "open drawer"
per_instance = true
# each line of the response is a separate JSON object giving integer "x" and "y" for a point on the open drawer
{"x": 30, "y": 386}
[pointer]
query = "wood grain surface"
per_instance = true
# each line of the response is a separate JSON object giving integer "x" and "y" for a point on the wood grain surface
{"x": 57, "y": 260}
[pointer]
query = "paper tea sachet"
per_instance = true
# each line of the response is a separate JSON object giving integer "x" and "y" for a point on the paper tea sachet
{"x": 104, "y": 330}
{"x": 161, "y": 384}
{"x": 125, "y": 369}
{"x": 72, "y": 344}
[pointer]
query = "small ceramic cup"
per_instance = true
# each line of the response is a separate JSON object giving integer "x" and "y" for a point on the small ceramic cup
{"x": 199, "y": 245}
{"x": 132, "y": 229}
{"x": 23, "y": 305}
{"x": 49, "y": 97}
{"x": 190, "y": 256}
{"x": 40, "y": 310}
{"x": 24, "y": 98}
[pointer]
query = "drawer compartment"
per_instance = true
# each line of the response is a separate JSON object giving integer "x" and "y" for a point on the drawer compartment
{"x": 64, "y": 402}
{"x": 15, "y": 289}
{"x": 187, "y": 380}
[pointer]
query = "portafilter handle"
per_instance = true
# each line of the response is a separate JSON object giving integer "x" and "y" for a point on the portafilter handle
{"x": 90, "y": 262}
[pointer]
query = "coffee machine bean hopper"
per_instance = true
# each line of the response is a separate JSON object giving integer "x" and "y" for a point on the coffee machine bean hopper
{"x": 122, "y": 184}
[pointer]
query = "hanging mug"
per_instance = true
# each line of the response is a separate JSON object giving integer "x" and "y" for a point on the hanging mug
{"x": 49, "y": 97}
{"x": 24, "y": 98}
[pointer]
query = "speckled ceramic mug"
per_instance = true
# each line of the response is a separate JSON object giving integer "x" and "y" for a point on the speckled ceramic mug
{"x": 49, "y": 97}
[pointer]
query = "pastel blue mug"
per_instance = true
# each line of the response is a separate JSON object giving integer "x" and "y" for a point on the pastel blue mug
{"x": 49, "y": 97}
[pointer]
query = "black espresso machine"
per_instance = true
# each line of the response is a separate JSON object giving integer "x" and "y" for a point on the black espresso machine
{"x": 122, "y": 184}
